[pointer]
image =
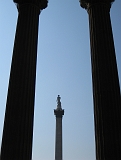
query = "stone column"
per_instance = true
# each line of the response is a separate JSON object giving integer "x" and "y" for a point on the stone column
{"x": 106, "y": 89}
{"x": 59, "y": 112}
{"x": 19, "y": 115}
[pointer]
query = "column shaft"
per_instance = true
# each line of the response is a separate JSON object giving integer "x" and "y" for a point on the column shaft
{"x": 106, "y": 89}
{"x": 18, "y": 123}
{"x": 58, "y": 143}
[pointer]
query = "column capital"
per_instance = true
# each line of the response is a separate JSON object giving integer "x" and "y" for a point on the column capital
{"x": 42, "y": 4}
{"x": 59, "y": 113}
{"x": 88, "y": 3}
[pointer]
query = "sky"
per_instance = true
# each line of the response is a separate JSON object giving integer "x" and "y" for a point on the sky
{"x": 63, "y": 68}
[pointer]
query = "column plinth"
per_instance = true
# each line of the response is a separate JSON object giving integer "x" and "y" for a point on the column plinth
{"x": 19, "y": 115}
{"x": 59, "y": 112}
{"x": 106, "y": 89}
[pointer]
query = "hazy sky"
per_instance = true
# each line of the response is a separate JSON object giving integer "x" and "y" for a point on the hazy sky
{"x": 64, "y": 68}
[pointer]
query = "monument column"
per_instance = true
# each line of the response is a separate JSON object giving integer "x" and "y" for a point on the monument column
{"x": 59, "y": 112}
{"x": 18, "y": 122}
{"x": 106, "y": 89}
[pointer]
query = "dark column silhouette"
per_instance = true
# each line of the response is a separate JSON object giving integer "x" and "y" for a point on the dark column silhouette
{"x": 59, "y": 112}
{"x": 106, "y": 89}
{"x": 18, "y": 122}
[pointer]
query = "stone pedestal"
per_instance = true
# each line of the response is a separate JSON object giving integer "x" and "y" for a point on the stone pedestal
{"x": 106, "y": 89}
{"x": 59, "y": 112}
{"x": 18, "y": 122}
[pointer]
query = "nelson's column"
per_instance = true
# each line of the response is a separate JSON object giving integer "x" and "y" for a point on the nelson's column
{"x": 59, "y": 112}
{"x": 18, "y": 122}
{"x": 106, "y": 89}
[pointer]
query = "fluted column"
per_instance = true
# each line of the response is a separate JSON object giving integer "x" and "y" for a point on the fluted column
{"x": 18, "y": 122}
{"x": 59, "y": 112}
{"x": 106, "y": 89}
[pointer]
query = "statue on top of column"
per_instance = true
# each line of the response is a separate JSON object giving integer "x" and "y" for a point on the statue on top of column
{"x": 58, "y": 102}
